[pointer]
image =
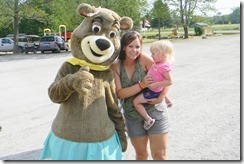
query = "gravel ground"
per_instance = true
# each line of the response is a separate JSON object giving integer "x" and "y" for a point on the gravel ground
{"x": 205, "y": 117}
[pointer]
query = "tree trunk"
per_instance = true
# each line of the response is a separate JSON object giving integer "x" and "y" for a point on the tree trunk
{"x": 159, "y": 32}
{"x": 185, "y": 27}
{"x": 16, "y": 27}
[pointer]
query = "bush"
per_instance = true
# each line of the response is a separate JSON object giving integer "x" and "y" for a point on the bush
{"x": 198, "y": 31}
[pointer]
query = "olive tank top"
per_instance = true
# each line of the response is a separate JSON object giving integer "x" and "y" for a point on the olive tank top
{"x": 130, "y": 112}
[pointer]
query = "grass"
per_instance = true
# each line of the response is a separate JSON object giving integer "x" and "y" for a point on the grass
{"x": 225, "y": 29}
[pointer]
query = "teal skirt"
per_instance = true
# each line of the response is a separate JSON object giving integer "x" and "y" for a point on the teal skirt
{"x": 56, "y": 148}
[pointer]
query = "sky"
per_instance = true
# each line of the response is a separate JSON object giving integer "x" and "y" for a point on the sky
{"x": 225, "y": 6}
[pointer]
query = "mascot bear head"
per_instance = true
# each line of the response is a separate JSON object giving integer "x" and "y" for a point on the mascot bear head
{"x": 97, "y": 39}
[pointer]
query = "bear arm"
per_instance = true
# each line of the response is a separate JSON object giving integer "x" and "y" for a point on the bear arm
{"x": 61, "y": 88}
{"x": 115, "y": 115}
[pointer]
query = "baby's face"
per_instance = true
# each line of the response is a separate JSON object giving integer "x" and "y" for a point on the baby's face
{"x": 157, "y": 56}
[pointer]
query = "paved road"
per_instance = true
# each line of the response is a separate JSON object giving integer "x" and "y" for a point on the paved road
{"x": 205, "y": 119}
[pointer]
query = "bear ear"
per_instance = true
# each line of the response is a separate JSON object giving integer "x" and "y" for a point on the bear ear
{"x": 126, "y": 23}
{"x": 85, "y": 10}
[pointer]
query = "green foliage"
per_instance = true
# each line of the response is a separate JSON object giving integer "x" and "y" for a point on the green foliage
{"x": 220, "y": 19}
{"x": 21, "y": 11}
{"x": 198, "y": 30}
{"x": 36, "y": 15}
{"x": 161, "y": 14}
{"x": 30, "y": 27}
{"x": 225, "y": 27}
{"x": 234, "y": 17}
{"x": 188, "y": 8}
{"x": 52, "y": 13}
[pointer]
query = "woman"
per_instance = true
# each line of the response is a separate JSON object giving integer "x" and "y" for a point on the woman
{"x": 130, "y": 78}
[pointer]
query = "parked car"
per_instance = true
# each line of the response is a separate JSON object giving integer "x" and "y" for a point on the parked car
{"x": 6, "y": 45}
{"x": 52, "y": 43}
{"x": 33, "y": 43}
{"x": 26, "y": 43}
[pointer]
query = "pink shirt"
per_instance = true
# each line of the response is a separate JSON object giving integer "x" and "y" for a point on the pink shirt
{"x": 157, "y": 72}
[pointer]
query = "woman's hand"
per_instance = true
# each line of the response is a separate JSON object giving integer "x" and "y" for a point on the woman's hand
{"x": 146, "y": 81}
{"x": 160, "y": 98}
{"x": 154, "y": 101}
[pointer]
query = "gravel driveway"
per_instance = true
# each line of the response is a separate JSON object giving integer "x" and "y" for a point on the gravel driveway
{"x": 205, "y": 117}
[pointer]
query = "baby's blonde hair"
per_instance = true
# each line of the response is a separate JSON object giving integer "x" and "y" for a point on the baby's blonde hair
{"x": 164, "y": 47}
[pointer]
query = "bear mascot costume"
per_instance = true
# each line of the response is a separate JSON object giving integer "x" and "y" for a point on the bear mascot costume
{"x": 89, "y": 124}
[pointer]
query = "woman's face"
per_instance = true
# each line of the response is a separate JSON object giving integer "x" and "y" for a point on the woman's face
{"x": 133, "y": 49}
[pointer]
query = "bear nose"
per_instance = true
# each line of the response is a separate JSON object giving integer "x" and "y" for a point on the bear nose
{"x": 102, "y": 44}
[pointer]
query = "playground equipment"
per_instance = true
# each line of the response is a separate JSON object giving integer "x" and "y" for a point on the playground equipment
{"x": 47, "y": 29}
{"x": 65, "y": 32}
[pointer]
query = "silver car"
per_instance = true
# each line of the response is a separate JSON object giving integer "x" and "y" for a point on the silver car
{"x": 6, "y": 45}
{"x": 52, "y": 43}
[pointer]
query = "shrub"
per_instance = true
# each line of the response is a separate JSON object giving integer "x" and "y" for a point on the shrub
{"x": 198, "y": 31}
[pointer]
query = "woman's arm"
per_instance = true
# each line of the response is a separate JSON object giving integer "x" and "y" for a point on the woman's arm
{"x": 125, "y": 92}
{"x": 160, "y": 98}
{"x": 130, "y": 91}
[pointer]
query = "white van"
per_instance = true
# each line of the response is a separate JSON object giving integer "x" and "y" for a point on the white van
{"x": 6, "y": 45}
{"x": 26, "y": 43}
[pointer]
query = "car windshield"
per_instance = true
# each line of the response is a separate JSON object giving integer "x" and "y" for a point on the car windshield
{"x": 9, "y": 41}
{"x": 47, "y": 39}
{"x": 33, "y": 38}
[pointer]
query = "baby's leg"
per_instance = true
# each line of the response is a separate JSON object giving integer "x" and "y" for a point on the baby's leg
{"x": 168, "y": 102}
{"x": 138, "y": 101}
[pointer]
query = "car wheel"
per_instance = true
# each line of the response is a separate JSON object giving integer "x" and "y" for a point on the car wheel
{"x": 58, "y": 50}
{"x": 21, "y": 49}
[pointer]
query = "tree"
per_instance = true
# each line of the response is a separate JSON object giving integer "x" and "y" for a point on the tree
{"x": 175, "y": 18}
{"x": 33, "y": 16}
{"x": 6, "y": 23}
{"x": 187, "y": 9}
{"x": 234, "y": 17}
{"x": 197, "y": 18}
{"x": 135, "y": 9}
{"x": 61, "y": 12}
{"x": 18, "y": 9}
{"x": 160, "y": 12}
{"x": 64, "y": 12}
{"x": 222, "y": 19}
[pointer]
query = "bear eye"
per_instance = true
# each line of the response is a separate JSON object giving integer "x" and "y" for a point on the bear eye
{"x": 96, "y": 28}
{"x": 112, "y": 34}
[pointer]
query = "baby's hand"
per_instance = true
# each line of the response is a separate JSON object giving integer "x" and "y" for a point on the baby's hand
{"x": 152, "y": 86}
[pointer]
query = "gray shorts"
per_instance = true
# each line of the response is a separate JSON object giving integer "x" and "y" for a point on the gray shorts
{"x": 161, "y": 125}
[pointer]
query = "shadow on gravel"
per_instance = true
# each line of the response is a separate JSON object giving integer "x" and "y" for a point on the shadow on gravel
{"x": 29, "y": 155}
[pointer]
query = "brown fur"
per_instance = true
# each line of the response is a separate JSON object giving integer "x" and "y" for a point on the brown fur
{"x": 89, "y": 109}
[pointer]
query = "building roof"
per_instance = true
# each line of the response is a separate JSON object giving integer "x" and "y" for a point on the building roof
{"x": 200, "y": 24}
